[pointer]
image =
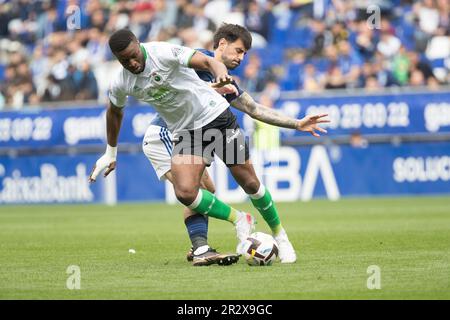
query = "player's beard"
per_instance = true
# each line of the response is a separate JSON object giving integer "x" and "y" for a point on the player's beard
{"x": 230, "y": 63}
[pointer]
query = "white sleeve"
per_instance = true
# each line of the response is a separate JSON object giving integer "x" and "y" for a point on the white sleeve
{"x": 171, "y": 54}
{"x": 117, "y": 92}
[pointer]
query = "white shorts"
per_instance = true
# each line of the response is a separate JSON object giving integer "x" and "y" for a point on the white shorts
{"x": 157, "y": 147}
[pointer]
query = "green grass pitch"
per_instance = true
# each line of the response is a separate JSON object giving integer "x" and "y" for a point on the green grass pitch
{"x": 407, "y": 238}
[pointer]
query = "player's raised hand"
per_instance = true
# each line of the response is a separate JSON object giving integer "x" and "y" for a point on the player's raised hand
{"x": 310, "y": 124}
{"x": 222, "y": 80}
{"x": 107, "y": 161}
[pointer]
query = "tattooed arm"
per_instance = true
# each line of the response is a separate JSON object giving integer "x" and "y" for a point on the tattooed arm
{"x": 257, "y": 111}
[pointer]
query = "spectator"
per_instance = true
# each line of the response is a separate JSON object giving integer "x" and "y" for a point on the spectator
{"x": 381, "y": 67}
{"x": 43, "y": 61}
{"x": 141, "y": 19}
{"x": 388, "y": 45}
{"x": 433, "y": 83}
{"x": 335, "y": 79}
{"x": 97, "y": 20}
{"x": 186, "y": 15}
{"x": 372, "y": 84}
{"x": 257, "y": 19}
{"x": 417, "y": 78}
{"x": 202, "y": 22}
{"x": 254, "y": 79}
{"x": 85, "y": 83}
{"x": 312, "y": 81}
{"x": 401, "y": 65}
{"x": 439, "y": 45}
{"x": 428, "y": 16}
{"x": 57, "y": 90}
{"x": 272, "y": 90}
{"x": 419, "y": 64}
{"x": 97, "y": 46}
{"x": 444, "y": 14}
{"x": 339, "y": 33}
{"x": 47, "y": 23}
{"x": 365, "y": 41}
{"x": 349, "y": 62}
{"x": 322, "y": 38}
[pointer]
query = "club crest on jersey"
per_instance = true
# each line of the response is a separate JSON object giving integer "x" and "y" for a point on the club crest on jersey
{"x": 156, "y": 78}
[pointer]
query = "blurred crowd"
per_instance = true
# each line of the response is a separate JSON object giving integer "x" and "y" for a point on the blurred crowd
{"x": 58, "y": 50}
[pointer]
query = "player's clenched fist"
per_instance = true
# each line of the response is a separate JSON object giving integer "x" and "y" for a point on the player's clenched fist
{"x": 107, "y": 161}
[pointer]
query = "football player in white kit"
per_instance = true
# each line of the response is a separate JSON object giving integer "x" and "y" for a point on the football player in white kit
{"x": 161, "y": 74}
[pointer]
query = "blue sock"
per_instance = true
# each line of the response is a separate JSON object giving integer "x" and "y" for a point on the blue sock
{"x": 197, "y": 227}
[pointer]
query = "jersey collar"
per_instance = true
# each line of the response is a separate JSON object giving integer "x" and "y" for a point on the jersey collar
{"x": 144, "y": 52}
{"x": 147, "y": 70}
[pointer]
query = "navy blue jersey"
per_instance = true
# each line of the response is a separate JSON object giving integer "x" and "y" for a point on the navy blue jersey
{"x": 205, "y": 76}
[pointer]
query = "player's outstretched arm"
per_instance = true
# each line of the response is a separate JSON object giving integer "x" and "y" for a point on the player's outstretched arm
{"x": 265, "y": 114}
{"x": 114, "y": 116}
{"x": 200, "y": 61}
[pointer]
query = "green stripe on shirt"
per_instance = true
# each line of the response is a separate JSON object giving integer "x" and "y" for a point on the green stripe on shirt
{"x": 144, "y": 52}
{"x": 190, "y": 57}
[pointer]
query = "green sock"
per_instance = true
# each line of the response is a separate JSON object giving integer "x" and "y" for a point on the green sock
{"x": 262, "y": 200}
{"x": 208, "y": 204}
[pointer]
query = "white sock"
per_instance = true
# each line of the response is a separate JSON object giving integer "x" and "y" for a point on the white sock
{"x": 201, "y": 250}
{"x": 261, "y": 192}
{"x": 281, "y": 233}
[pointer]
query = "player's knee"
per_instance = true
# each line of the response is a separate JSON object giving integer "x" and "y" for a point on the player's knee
{"x": 208, "y": 187}
{"x": 186, "y": 195}
{"x": 251, "y": 186}
{"x": 207, "y": 184}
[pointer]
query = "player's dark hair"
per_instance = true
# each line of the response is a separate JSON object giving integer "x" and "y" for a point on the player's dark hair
{"x": 120, "y": 39}
{"x": 231, "y": 33}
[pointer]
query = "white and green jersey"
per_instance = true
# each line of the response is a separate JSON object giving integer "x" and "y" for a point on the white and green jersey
{"x": 182, "y": 99}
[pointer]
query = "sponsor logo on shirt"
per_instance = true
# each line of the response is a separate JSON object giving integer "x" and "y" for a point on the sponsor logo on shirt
{"x": 158, "y": 93}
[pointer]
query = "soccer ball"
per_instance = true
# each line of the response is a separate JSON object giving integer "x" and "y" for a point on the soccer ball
{"x": 260, "y": 249}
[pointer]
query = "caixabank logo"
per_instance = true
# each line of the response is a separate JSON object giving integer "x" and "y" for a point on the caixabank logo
{"x": 48, "y": 185}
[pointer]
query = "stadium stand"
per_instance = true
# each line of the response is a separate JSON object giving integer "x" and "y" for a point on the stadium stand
{"x": 300, "y": 45}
